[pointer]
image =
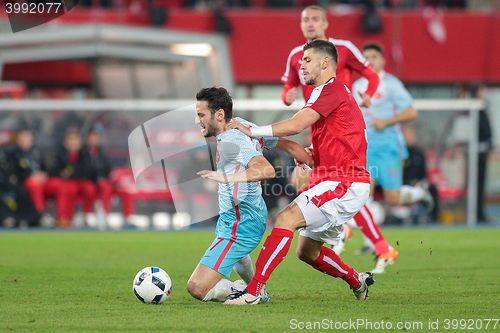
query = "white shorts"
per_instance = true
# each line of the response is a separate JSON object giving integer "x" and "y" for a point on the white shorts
{"x": 328, "y": 205}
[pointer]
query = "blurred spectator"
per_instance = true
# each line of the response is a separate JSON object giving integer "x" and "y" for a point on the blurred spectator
{"x": 27, "y": 166}
{"x": 21, "y": 174}
{"x": 485, "y": 140}
{"x": 415, "y": 168}
{"x": 67, "y": 182}
{"x": 8, "y": 204}
{"x": 485, "y": 147}
{"x": 98, "y": 167}
{"x": 68, "y": 121}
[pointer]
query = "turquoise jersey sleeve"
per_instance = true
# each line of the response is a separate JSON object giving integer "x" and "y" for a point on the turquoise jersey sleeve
{"x": 238, "y": 148}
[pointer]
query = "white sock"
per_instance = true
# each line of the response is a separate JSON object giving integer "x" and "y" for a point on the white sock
{"x": 411, "y": 194}
{"x": 244, "y": 268}
{"x": 221, "y": 290}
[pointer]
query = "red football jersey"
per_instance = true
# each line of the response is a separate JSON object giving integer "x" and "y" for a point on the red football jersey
{"x": 339, "y": 137}
{"x": 350, "y": 60}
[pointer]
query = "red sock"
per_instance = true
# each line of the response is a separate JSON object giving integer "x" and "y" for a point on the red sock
{"x": 366, "y": 223}
{"x": 330, "y": 263}
{"x": 272, "y": 254}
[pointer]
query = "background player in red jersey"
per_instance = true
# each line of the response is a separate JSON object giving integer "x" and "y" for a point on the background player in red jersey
{"x": 339, "y": 180}
{"x": 313, "y": 23}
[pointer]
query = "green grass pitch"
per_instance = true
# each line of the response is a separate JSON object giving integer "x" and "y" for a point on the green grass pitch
{"x": 81, "y": 282}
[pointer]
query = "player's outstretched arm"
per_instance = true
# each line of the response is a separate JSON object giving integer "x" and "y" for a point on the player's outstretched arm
{"x": 299, "y": 122}
{"x": 258, "y": 169}
{"x": 295, "y": 125}
{"x": 298, "y": 152}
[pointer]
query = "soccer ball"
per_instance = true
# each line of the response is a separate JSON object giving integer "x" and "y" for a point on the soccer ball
{"x": 152, "y": 285}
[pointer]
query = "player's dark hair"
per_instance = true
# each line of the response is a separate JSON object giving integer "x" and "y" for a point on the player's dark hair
{"x": 217, "y": 98}
{"x": 374, "y": 46}
{"x": 323, "y": 46}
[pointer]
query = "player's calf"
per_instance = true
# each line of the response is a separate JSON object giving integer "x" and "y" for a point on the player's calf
{"x": 308, "y": 250}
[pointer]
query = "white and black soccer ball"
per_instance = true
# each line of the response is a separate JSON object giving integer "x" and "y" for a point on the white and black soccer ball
{"x": 152, "y": 285}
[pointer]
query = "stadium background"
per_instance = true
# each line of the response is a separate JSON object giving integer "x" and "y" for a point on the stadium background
{"x": 62, "y": 73}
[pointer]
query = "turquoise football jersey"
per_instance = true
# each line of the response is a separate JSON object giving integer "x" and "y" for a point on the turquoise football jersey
{"x": 234, "y": 152}
{"x": 390, "y": 98}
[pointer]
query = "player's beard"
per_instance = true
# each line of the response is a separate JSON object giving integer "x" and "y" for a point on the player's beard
{"x": 210, "y": 128}
{"x": 310, "y": 82}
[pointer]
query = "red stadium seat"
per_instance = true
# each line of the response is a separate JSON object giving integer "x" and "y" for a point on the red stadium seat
{"x": 128, "y": 192}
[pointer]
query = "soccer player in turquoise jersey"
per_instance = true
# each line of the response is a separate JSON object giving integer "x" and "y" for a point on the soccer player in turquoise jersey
{"x": 391, "y": 106}
{"x": 242, "y": 211}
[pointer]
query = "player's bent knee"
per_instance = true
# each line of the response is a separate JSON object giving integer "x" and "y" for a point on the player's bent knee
{"x": 196, "y": 289}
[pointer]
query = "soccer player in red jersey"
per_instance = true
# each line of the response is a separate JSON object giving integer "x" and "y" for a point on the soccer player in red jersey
{"x": 339, "y": 183}
{"x": 313, "y": 24}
